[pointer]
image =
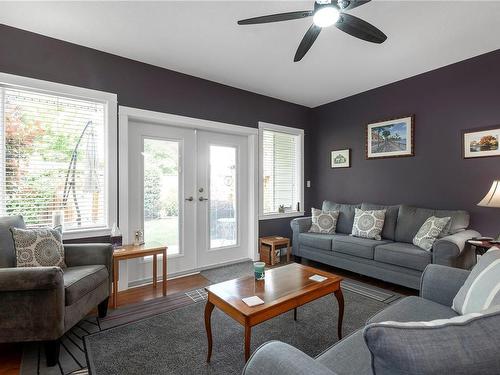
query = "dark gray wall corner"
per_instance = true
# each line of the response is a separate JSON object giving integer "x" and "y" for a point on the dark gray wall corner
{"x": 445, "y": 101}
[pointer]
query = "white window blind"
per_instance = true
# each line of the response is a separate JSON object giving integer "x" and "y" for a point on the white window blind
{"x": 280, "y": 160}
{"x": 53, "y": 159}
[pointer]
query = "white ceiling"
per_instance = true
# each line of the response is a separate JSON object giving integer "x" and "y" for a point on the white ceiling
{"x": 203, "y": 39}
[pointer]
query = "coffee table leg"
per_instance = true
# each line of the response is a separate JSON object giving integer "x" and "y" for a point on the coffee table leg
{"x": 295, "y": 314}
{"x": 340, "y": 300}
{"x": 209, "y": 307}
{"x": 248, "y": 333}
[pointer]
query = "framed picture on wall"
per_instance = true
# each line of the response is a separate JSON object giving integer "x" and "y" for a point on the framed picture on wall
{"x": 341, "y": 158}
{"x": 480, "y": 143}
{"x": 391, "y": 138}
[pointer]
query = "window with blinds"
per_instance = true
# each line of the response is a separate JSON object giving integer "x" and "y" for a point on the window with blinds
{"x": 52, "y": 159}
{"x": 280, "y": 164}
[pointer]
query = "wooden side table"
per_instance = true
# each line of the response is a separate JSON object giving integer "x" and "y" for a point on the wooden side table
{"x": 274, "y": 242}
{"x": 482, "y": 246}
{"x": 133, "y": 251}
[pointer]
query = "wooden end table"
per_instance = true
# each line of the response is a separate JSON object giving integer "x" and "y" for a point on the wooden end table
{"x": 283, "y": 289}
{"x": 274, "y": 242}
{"x": 139, "y": 251}
{"x": 482, "y": 246}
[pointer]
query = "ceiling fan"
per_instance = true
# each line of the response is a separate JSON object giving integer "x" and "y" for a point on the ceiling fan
{"x": 326, "y": 13}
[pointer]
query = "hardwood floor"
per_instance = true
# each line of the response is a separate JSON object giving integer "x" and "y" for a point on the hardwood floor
{"x": 10, "y": 354}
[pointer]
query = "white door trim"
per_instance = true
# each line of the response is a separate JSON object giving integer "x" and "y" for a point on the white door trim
{"x": 127, "y": 114}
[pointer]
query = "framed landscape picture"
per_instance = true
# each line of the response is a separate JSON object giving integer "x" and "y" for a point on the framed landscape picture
{"x": 480, "y": 143}
{"x": 390, "y": 138}
{"x": 341, "y": 158}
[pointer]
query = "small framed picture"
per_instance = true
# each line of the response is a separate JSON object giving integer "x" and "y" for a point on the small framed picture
{"x": 481, "y": 143}
{"x": 390, "y": 138}
{"x": 341, "y": 158}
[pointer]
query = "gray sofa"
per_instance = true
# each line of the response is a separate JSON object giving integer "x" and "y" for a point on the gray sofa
{"x": 351, "y": 355}
{"x": 42, "y": 303}
{"x": 394, "y": 258}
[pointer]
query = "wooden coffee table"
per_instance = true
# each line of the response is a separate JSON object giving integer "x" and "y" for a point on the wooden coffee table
{"x": 284, "y": 288}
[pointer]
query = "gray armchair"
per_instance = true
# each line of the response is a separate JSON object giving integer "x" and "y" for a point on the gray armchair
{"x": 42, "y": 303}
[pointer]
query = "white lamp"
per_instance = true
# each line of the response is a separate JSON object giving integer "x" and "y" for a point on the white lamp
{"x": 492, "y": 198}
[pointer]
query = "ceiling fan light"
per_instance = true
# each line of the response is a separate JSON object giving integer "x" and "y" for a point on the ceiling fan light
{"x": 326, "y": 16}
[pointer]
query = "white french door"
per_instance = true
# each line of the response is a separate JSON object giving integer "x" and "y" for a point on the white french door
{"x": 188, "y": 190}
{"x": 222, "y": 204}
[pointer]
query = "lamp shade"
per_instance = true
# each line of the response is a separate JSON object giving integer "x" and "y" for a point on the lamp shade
{"x": 492, "y": 199}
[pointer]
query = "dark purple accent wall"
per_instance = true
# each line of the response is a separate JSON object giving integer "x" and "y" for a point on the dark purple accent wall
{"x": 445, "y": 101}
{"x": 145, "y": 86}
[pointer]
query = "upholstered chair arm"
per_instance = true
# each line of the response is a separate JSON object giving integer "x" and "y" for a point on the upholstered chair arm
{"x": 453, "y": 251}
{"x": 31, "y": 304}
{"x": 299, "y": 225}
{"x": 89, "y": 254}
{"x": 278, "y": 358}
{"x": 30, "y": 278}
{"x": 441, "y": 284}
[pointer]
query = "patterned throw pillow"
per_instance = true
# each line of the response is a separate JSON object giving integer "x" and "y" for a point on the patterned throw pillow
{"x": 368, "y": 224}
{"x": 38, "y": 247}
{"x": 481, "y": 290}
{"x": 429, "y": 232}
{"x": 323, "y": 221}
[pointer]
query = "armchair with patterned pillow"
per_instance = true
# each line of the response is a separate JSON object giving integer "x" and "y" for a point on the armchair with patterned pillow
{"x": 42, "y": 303}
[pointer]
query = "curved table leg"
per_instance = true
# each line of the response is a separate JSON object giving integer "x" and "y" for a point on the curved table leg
{"x": 209, "y": 307}
{"x": 340, "y": 300}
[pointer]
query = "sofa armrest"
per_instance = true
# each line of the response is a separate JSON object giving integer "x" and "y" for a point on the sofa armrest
{"x": 441, "y": 284}
{"x": 31, "y": 304}
{"x": 89, "y": 254}
{"x": 453, "y": 251}
{"x": 30, "y": 278}
{"x": 276, "y": 358}
{"x": 299, "y": 225}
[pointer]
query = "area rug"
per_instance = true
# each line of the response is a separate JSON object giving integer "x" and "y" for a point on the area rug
{"x": 167, "y": 335}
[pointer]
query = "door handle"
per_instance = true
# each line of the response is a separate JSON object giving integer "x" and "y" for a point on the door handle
{"x": 201, "y": 199}
{"x": 190, "y": 199}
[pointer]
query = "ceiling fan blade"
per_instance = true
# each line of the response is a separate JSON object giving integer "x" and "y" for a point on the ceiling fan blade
{"x": 360, "y": 29}
{"x": 356, "y": 3}
{"x": 277, "y": 17}
{"x": 307, "y": 42}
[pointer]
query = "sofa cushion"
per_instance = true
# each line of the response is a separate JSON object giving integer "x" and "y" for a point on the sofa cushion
{"x": 346, "y": 215}
{"x": 410, "y": 219}
{"x": 38, "y": 247}
{"x": 429, "y": 232}
{"x": 348, "y": 356}
{"x": 80, "y": 280}
{"x": 466, "y": 344}
{"x": 368, "y": 224}
{"x": 391, "y": 218}
{"x": 482, "y": 288}
{"x": 317, "y": 240}
{"x": 403, "y": 254}
{"x": 7, "y": 249}
{"x": 323, "y": 221}
{"x": 412, "y": 309}
{"x": 360, "y": 247}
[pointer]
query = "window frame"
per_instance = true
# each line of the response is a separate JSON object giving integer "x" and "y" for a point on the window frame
{"x": 110, "y": 138}
{"x": 300, "y": 169}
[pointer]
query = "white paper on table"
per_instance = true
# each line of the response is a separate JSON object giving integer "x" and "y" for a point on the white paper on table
{"x": 317, "y": 278}
{"x": 252, "y": 301}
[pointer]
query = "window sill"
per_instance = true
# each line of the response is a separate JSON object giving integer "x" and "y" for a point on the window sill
{"x": 281, "y": 216}
{"x": 85, "y": 233}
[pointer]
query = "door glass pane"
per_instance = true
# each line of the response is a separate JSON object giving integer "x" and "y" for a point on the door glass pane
{"x": 223, "y": 223}
{"x": 161, "y": 193}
